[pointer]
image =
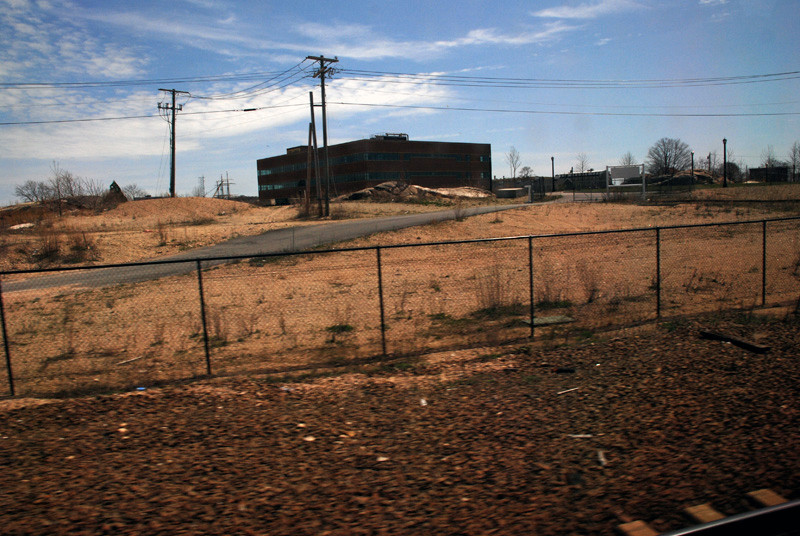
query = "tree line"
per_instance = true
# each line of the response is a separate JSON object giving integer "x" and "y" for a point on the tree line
{"x": 62, "y": 185}
{"x": 670, "y": 155}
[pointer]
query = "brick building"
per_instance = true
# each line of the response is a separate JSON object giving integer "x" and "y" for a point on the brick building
{"x": 359, "y": 164}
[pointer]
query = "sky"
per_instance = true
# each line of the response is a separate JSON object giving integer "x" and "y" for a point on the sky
{"x": 80, "y": 82}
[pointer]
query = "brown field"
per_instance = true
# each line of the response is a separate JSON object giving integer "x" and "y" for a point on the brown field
{"x": 151, "y": 228}
{"x": 319, "y": 310}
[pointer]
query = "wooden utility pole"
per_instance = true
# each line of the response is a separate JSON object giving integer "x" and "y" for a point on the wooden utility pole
{"x": 171, "y": 112}
{"x": 320, "y": 212}
{"x": 320, "y": 73}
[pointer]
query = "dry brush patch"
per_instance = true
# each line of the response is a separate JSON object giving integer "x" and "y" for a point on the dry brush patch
{"x": 317, "y": 309}
{"x": 314, "y": 310}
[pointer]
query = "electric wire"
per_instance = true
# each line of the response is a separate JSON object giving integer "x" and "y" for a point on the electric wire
{"x": 140, "y": 82}
{"x": 562, "y": 83}
{"x": 562, "y": 112}
{"x": 88, "y": 120}
{"x": 243, "y": 93}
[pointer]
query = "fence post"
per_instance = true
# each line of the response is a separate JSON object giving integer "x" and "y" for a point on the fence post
{"x": 203, "y": 315}
{"x": 658, "y": 272}
{"x": 530, "y": 281}
{"x": 380, "y": 298}
{"x": 764, "y": 263}
{"x": 5, "y": 341}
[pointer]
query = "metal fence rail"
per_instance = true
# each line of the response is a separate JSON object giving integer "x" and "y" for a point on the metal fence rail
{"x": 88, "y": 329}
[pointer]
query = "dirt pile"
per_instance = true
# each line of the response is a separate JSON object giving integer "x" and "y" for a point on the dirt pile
{"x": 398, "y": 191}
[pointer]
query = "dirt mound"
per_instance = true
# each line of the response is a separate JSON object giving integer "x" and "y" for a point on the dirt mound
{"x": 400, "y": 191}
{"x": 177, "y": 208}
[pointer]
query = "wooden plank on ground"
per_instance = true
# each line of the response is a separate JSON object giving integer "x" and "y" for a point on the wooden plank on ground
{"x": 766, "y": 497}
{"x": 636, "y": 528}
{"x": 741, "y": 343}
{"x": 703, "y": 513}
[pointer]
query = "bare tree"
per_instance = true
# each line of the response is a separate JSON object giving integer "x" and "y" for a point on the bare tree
{"x": 667, "y": 156}
{"x": 132, "y": 191}
{"x": 93, "y": 187}
{"x": 712, "y": 162}
{"x": 768, "y": 158}
{"x": 512, "y": 157}
{"x": 794, "y": 158}
{"x": 583, "y": 163}
{"x": 526, "y": 172}
{"x": 33, "y": 191}
{"x": 627, "y": 159}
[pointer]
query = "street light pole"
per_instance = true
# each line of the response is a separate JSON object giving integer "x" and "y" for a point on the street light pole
{"x": 724, "y": 162}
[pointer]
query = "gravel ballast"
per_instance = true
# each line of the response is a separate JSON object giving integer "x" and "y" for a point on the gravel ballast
{"x": 517, "y": 440}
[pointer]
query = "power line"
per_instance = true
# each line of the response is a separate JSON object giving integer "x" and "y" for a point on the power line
{"x": 140, "y": 82}
{"x": 261, "y": 86}
{"x": 88, "y": 120}
{"x": 562, "y": 83}
{"x": 557, "y": 112}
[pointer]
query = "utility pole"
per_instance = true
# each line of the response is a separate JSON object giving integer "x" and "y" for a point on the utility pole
{"x": 320, "y": 73}
{"x": 317, "y": 174}
{"x": 171, "y": 112}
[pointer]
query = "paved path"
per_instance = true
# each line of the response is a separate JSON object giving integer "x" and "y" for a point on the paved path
{"x": 279, "y": 241}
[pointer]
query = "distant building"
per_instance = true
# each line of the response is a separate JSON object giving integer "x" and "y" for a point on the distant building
{"x": 771, "y": 174}
{"x": 359, "y": 164}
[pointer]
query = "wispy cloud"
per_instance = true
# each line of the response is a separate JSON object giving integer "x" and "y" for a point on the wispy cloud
{"x": 33, "y": 37}
{"x": 590, "y": 10}
{"x": 355, "y": 41}
{"x": 360, "y": 42}
{"x": 713, "y": 2}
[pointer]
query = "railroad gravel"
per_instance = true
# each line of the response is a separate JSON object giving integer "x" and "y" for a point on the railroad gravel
{"x": 572, "y": 439}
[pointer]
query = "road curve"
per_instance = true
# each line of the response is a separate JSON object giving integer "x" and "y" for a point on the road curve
{"x": 279, "y": 241}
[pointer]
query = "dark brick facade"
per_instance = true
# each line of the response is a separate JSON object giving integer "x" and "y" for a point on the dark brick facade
{"x": 363, "y": 163}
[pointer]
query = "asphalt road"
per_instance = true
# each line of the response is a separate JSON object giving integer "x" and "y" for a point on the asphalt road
{"x": 280, "y": 241}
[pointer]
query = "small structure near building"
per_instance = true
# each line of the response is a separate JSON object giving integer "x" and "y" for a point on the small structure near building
{"x": 771, "y": 174}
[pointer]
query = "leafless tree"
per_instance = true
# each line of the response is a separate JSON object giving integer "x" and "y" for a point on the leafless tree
{"x": 583, "y": 163}
{"x": 526, "y": 172}
{"x": 512, "y": 157}
{"x": 667, "y": 156}
{"x": 627, "y": 159}
{"x": 794, "y": 158}
{"x": 33, "y": 191}
{"x": 93, "y": 187}
{"x": 768, "y": 158}
{"x": 132, "y": 191}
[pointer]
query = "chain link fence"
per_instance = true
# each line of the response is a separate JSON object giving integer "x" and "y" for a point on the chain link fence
{"x": 90, "y": 330}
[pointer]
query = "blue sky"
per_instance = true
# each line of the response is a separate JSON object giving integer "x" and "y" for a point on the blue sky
{"x": 591, "y": 61}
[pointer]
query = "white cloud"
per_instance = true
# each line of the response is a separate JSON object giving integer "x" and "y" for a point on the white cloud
{"x": 589, "y": 10}
{"x": 35, "y": 36}
{"x": 359, "y": 42}
{"x": 604, "y": 41}
{"x": 713, "y": 2}
{"x": 198, "y": 130}
{"x": 355, "y": 41}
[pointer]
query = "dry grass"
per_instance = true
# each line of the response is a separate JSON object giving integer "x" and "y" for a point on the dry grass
{"x": 292, "y": 312}
{"x": 151, "y": 228}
